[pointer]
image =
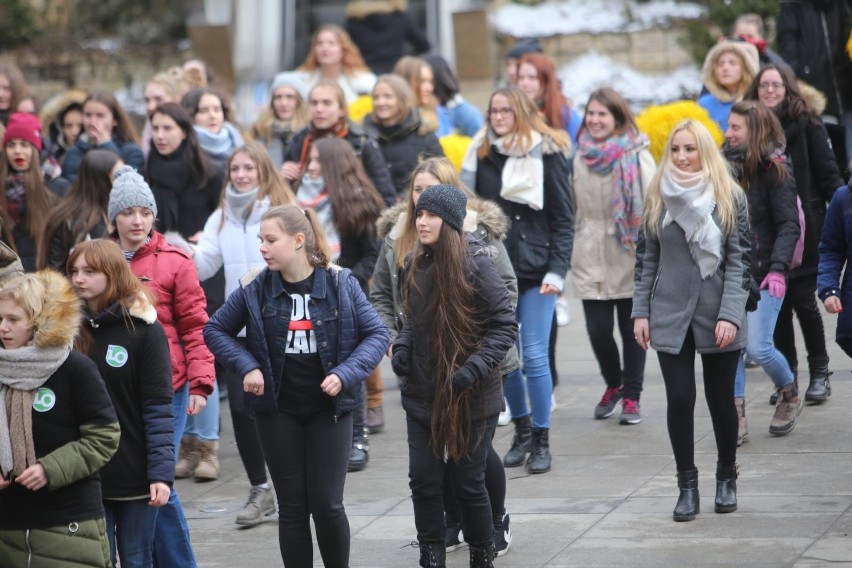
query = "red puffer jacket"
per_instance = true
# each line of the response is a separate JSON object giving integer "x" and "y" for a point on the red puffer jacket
{"x": 181, "y": 310}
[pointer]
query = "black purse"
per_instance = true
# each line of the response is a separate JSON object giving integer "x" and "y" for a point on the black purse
{"x": 753, "y": 294}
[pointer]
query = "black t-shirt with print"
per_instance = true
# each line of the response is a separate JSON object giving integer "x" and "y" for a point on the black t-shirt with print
{"x": 300, "y": 392}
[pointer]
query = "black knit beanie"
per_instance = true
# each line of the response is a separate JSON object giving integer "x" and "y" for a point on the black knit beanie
{"x": 445, "y": 201}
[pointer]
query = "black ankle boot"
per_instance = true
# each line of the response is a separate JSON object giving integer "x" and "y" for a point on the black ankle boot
{"x": 688, "y": 502}
{"x": 726, "y": 488}
{"x": 521, "y": 443}
{"x": 819, "y": 388}
{"x": 433, "y": 555}
{"x": 539, "y": 460}
{"x": 359, "y": 453}
{"x": 482, "y": 557}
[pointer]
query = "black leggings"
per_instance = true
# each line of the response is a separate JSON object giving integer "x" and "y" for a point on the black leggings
{"x": 307, "y": 460}
{"x": 495, "y": 484}
{"x": 551, "y": 350}
{"x": 679, "y": 376}
{"x": 599, "y": 325}
{"x": 245, "y": 428}
{"x": 467, "y": 476}
{"x": 801, "y": 296}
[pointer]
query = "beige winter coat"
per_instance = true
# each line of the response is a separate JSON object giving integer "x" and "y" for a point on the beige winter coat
{"x": 600, "y": 267}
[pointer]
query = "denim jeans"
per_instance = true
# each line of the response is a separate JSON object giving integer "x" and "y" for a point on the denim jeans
{"x": 130, "y": 530}
{"x": 759, "y": 346}
{"x": 172, "y": 546}
{"x": 535, "y": 314}
{"x": 205, "y": 426}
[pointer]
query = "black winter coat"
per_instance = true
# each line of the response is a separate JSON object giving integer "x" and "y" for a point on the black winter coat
{"x": 817, "y": 178}
{"x": 498, "y": 335}
{"x": 774, "y": 219}
{"x": 538, "y": 242}
{"x": 137, "y": 369}
{"x": 402, "y": 146}
{"x": 812, "y": 36}
{"x": 358, "y": 253}
{"x": 365, "y": 147}
{"x": 380, "y": 36}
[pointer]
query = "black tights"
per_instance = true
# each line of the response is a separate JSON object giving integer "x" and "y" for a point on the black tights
{"x": 679, "y": 376}
{"x": 600, "y": 319}
{"x": 801, "y": 296}
{"x": 245, "y": 428}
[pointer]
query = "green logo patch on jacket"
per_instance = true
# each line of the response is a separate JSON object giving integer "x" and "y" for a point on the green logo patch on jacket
{"x": 116, "y": 356}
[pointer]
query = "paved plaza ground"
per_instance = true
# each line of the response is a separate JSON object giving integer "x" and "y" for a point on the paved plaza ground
{"x": 609, "y": 497}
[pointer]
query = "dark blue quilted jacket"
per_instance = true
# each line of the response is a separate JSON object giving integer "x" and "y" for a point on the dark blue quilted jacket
{"x": 350, "y": 335}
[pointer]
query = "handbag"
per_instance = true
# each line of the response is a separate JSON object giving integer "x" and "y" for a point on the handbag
{"x": 753, "y": 294}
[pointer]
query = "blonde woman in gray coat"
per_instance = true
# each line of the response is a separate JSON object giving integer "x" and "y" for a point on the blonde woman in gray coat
{"x": 690, "y": 289}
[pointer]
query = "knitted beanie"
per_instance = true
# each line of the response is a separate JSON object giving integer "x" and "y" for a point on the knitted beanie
{"x": 129, "y": 190}
{"x": 23, "y": 126}
{"x": 523, "y": 47}
{"x": 292, "y": 79}
{"x": 445, "y": 201}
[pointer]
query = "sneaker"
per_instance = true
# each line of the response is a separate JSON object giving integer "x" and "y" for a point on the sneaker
{"x": 563, "y": 316}
{"x": 502, "y": 534}
{"x": 504, "y": 419}
{"x": 553, "y": 405}
{"x": 261, "y": 503}
{"x": 630, "y": 412}
{"x": 453, "y": 536}
{"x": 789, "y": 407}
{"x": 606, "y": 407}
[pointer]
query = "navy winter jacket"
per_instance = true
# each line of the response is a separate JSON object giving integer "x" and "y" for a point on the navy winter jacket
{"x": 835, "y": 252}
{"x": 350, "y": 334}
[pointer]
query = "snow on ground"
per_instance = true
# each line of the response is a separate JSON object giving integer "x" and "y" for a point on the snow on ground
{"x": 593, "y": 16}
{"x": 593, "y": 71}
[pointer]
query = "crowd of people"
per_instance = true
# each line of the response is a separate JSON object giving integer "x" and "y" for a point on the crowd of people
{"x": 145, "y": 278}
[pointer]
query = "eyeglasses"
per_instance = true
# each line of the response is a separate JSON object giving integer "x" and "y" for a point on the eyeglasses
{"x": 773, "y": 86}
{"x": 505, "y": 111}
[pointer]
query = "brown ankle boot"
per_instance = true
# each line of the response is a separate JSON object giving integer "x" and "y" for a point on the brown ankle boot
{"x": 208, "y": 461}
{"x": 786, "y": 411}
{"x": 187, "y": 457}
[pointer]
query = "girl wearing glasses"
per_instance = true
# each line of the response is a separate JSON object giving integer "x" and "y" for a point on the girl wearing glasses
{"x": 521, "y": 164}
{"x": 817, "y": 177}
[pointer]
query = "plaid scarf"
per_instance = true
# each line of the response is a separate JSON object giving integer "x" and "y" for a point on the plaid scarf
{"x": 16, "y": 202}
{"x": 619, "y": 156}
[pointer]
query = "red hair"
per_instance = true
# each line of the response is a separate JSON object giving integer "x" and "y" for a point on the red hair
{"x": 553, "y": 100}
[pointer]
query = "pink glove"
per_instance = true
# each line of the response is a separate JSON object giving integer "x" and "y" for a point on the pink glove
{"x": 776, "y": 283}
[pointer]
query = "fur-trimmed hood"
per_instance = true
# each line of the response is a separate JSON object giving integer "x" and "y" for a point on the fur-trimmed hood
{"x": 58, "y": 321}
{"x": 141, "y": 308}
{"x": 10, "y": 263}
{"x": 360, "y": 9}
{"x": 814, "y": 96}
{"x": 744, "y": 50}
{"x": 479, "y": 212}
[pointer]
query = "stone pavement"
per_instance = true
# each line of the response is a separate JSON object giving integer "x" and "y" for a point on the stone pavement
{"x": 609, "y": 497}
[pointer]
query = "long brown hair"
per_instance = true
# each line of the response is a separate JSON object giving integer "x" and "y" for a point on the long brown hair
{"x": 17, "y": 84}
{"x": 262, "y": 127}
{"x": 352, "y": 61}
{"x": 450, "y": 318}
{"x": 123, "y": 129}
{"x": 528, "y": 119}
{"x": 271, "y": 184}
{"x": 553, "y": 101}
{"x": 794, "y": 104}
{"x": 293, "y": 221}
{"x": 39, "y": 201}
{"x": 411, "y": 68}
{"x": 617, "y": 106}
{"x": 355, "y": 202}
{"x": 405, "y": 98}
{"x": 441, "y": 169}
{"x": 765, "y": 134}
{"x": 105, "y": 256}
{"x": 84, "y": 206}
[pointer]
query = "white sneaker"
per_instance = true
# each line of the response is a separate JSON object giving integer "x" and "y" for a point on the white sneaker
{"x": 563, "y": 316}
{"x": 504, "y": 419}
{"x": 553, "y": 405}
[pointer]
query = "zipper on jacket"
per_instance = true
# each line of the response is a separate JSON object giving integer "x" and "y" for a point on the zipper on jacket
{"x": 654, "y": 287}
{"x": 29, "y": 548}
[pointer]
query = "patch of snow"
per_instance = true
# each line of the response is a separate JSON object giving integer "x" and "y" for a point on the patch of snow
{"x": 593, "y": 16}
{"x": 593, "y": 71}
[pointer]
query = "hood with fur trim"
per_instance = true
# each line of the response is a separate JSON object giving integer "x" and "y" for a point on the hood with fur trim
{"x": 479, "y": 212}
{"x": 745, "y": 51}
{"x": 59, "y": 320}
{"x": 360, "y": 9}
{"x": 814, "y": 96}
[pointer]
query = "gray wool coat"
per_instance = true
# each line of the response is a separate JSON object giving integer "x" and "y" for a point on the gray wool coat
{"x": 668, "y": 288}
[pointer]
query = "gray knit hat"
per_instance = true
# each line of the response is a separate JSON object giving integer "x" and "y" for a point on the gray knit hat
{"x": 445, "y": 201}
{"x": 129, "y": 190}
{"x": 293, "y": 79}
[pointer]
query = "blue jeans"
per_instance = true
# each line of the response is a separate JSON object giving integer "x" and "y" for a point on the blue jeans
{"x": 760, "y": 347}
{"x": 130, "y": 530}
{"x": 535, "y": 314}
{"x": 172, "y": 547}
{"x": 206, "y": 425}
